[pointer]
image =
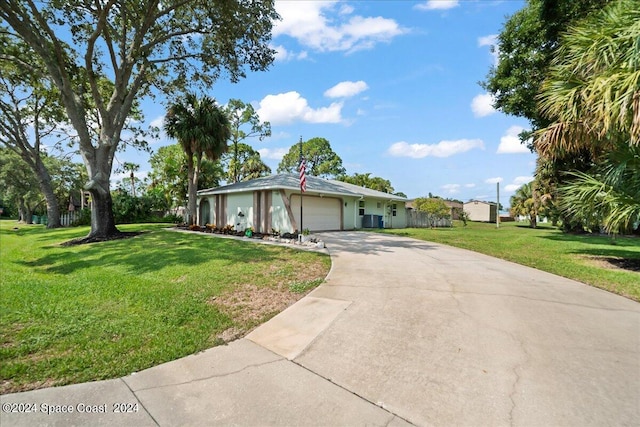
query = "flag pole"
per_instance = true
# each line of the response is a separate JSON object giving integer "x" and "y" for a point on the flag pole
{"x": 301, "y": 189}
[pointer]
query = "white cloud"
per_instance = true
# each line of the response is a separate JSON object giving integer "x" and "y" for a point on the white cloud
{"x": 437, "y": 5}
{"x": 158, "y": 122}
{"x": 323, "y": 26}
{"x": 441, "y": 149}
{"x": 518, "y": 182}
{"x": 493, "y": 180}
{"x": 510, "y": 142}
{"x": 282, "y": 54}
{"x": 489, "y": 40}
{"x": 286, "y": 108}
{"x": 482, "y": 105}
{"x": 451, "y": 188}
{"x": 346, "y": 89}
{"x": 469, "y": 185}
{"x": 492, "y": 42}
{"x": 273, "y": 153}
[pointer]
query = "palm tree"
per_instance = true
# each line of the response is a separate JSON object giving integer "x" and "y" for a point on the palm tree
{"x": 593, "y": 96}
{"x": 131, "y": 168}
{"x": 202, "y": 129}
{"x": 526, "y": 202}
{"x": 593, "y": 90}
{"x": 610, "y": 195}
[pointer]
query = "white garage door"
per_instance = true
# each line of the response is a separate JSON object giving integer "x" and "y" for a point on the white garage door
{"x": 319, "y": 213}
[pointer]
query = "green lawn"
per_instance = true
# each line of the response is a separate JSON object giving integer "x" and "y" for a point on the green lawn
{"x": 579, "y": 257}
{"x": 80, "y": 313}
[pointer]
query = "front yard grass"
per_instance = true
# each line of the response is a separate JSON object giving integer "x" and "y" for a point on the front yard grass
{"x": 590, "y": 259}
{"x": 104, "y": 310}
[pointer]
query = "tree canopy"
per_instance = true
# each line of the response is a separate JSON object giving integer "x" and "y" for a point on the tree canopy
{"x": 169, "y": 174}
{"x": 144, "y": 47}
{"x": 320, "y": 159}
{"x": 245, "y": 123}
{"x": 367, "y": 181}
{"x": 526, "y": 46}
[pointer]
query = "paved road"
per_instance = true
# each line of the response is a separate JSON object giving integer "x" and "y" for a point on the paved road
{"x": 403, "y": 332}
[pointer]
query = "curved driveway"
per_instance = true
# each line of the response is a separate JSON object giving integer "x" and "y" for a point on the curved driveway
{"x": 444, "y": 336}
{"x": 402, "y": 332}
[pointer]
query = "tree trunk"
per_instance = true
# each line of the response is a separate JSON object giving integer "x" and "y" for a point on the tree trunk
{"x": 25, "y": 214}
{"x": 103, "y": 224}
{"x": 192, "y": 191}
{"x": 53, "y": 209}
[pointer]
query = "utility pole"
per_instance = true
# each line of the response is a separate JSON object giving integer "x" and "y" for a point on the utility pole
{"x": 498, "y": 205}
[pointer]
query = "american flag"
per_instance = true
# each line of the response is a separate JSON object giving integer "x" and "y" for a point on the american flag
{"x": 303, "y": 178}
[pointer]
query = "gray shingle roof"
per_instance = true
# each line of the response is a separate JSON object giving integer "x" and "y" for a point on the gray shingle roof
{"x": 290, "y": 181}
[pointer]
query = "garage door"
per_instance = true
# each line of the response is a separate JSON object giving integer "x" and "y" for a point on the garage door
{"x": 319, "y": 213}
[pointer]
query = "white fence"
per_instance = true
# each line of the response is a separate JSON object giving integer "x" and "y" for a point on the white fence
{"x": 417, "y": 219}
{"x": 68, "y": 218}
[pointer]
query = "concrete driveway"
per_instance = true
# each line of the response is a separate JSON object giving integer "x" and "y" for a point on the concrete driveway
{"x": 403, "y": 332}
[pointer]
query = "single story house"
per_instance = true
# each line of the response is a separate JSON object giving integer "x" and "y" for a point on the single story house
{"x": 273, "y": 203}
{"x": 481, "y": 211}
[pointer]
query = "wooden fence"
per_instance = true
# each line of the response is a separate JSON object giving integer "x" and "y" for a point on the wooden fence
{"x": 417, "y": 219}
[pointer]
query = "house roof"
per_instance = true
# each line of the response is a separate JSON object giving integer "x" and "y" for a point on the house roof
{"x": 480, "y": 201}
{"x": 291, "y": 181}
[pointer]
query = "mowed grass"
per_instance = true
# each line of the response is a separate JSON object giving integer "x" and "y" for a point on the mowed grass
{"x": 582, "y": 257}
{"x": 104, "y": 310}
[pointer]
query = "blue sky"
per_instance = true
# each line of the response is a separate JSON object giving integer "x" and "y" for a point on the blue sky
{"x": 393, "y": 86}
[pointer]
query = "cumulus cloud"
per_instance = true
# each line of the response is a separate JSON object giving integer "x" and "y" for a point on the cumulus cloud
{"x": 451, "y": 188}
{"x": 518, "y": 182}
{"x": 492, "y": 42}
{"x": 273, "y": 153}
{"x": 158, "y": 122}
{"x": 286, "y": 108}
{"x": 346, "y": 89}
{"x": 510, "y": 142}
{"x": 283, "y": 55}
{"x": 326, "y": 26}
{"x": 437, "y": 5}
{"x": 482, "y": 105}
{"x": 493, "y": 180}
{"x": 441, "y": 149}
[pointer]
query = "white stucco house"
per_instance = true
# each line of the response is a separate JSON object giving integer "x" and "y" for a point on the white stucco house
{"x": 273, "y": 203}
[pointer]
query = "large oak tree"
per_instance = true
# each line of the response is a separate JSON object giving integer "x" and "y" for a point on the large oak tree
{"x": 142, "y": 46}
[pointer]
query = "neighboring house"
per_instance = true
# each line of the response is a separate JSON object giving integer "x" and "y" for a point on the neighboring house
{"x": 481, "y": 211}
{"x": 273, "y": 203}
{"x": 456, "y": 208}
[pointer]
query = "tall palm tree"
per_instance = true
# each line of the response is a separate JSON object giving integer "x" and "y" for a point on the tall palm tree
{"x": 593, "y": 89}
{"x": 202, "y": 129}
{"x": 526, "y": 202}
{"x": 593, "y": 96}
{"x": 131, "y": 168}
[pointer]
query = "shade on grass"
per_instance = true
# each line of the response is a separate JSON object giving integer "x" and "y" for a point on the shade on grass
{"x": 89, "y": 312}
